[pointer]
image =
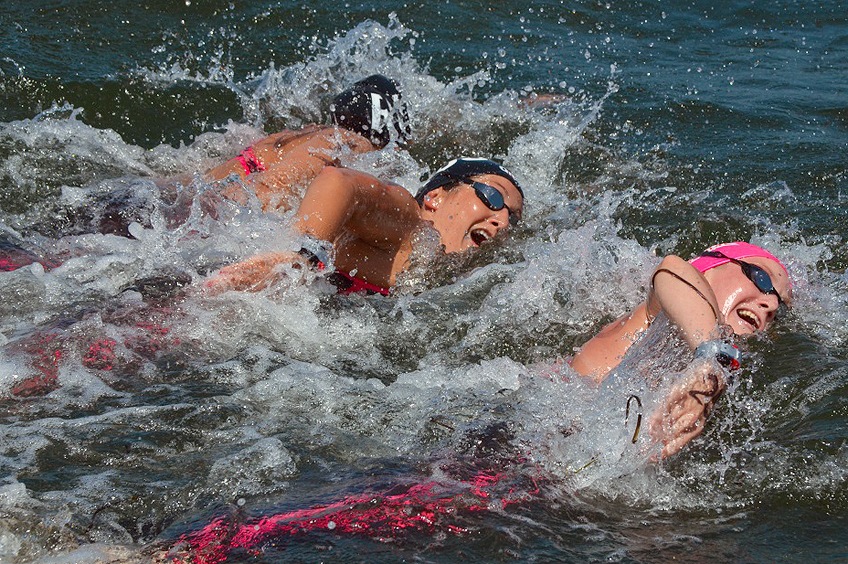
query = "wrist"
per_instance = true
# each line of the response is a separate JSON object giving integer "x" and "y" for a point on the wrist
{"x": 316, "y": 252}
{"x": 726, "y": 353}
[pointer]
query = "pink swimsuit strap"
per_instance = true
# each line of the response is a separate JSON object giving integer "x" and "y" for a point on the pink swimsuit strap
{"x": 346, "y": 283}
{"x": 250, "y": 162}
{"x": 352, "y": 285}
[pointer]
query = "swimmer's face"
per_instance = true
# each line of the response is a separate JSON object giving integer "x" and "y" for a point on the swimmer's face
{"x": 746, "y": 309}
{"x": 463, "y": 218}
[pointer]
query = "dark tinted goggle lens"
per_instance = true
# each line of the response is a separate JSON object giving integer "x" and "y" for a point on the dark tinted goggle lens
{"x": 493, "y": 199}
{"x": 760, "y": 278}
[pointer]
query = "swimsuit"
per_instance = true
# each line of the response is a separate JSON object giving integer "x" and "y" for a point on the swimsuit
{"x": 430, "y": 507}
{"x": 285, "y": 142}
{"x": 13, "y": 257}
{"x": 348, "y": 284}
{"x": 344, "y": 281}
{"x": 250, "y": 162}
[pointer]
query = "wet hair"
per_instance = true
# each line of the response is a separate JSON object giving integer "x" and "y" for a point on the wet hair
{"x": 462, "y": 169}
{"x": 368, "y": 106}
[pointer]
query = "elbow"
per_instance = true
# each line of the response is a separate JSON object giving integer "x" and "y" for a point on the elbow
{"x": 672, "y": 262}
{"x": 332, "y": 175}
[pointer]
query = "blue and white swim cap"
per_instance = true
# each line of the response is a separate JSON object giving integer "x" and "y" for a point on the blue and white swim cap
{"x": 463, "y": 168}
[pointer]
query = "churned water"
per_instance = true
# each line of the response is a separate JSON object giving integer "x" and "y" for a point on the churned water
{"x": 439, "y": 419}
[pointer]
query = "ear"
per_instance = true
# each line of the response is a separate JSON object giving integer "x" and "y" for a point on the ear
{"x": 433, "y": 199}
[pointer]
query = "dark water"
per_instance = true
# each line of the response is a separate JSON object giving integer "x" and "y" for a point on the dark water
{"x": 670, "y": 128}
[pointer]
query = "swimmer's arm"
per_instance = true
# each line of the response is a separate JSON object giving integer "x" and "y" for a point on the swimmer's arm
{"x": 687, "y": 299}
{"x": 301, "y": 164}
{"x": 253, "y": 274}
{"x": 675, "y": 291}
{"x": 357, "y": 204}
{"x": 605, "y": 350}
{"x": 689, "y": 302}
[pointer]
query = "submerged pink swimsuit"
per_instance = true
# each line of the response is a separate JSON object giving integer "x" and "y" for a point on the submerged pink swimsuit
{"x": 351, "y": 285}
{"x": 344, "y": 281}
{"x": 427, "y": 507}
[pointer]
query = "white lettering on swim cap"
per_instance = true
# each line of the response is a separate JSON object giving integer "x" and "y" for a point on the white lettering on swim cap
{"x": 379, "y": 116}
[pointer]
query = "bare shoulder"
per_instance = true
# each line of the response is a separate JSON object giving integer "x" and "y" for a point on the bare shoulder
{"x": 368, "y": 186}
{"x": 332, "y": 137}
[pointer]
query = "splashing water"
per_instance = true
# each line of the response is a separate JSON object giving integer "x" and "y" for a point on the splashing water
{"x": 148, "y": 414}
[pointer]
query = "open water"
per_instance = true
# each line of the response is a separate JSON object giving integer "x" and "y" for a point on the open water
{"x": 637, "y": 128}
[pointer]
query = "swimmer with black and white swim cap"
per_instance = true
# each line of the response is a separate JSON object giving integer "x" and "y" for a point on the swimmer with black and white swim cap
{"x": 369, "y": 107}
{"x": 366, "y": 117}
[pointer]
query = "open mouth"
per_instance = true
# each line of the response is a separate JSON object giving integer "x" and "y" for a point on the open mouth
{"x": 750, "y": 318}
{"x": 479, "y": 236}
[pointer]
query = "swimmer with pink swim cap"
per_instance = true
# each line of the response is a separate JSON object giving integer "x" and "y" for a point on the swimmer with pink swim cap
{"x": 736, "y": 287}
{"x": 738, "y": 250}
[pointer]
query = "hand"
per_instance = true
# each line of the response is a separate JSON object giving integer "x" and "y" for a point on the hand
{"x": 253, "y": 274}
{"x": 684, "y": 411}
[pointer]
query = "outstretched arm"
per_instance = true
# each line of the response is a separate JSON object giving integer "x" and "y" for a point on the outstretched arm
{"x": 253, "y": 274}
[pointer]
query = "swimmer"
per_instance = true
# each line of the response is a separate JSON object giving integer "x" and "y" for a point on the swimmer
{"x": 366, "y": 223}
{"x": 369, "y": 224}
{"x": 366, "y": 117}
{"x": 734, "y": 288}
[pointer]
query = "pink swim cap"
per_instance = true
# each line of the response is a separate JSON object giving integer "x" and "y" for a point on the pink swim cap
{"x": 737, "y": 250}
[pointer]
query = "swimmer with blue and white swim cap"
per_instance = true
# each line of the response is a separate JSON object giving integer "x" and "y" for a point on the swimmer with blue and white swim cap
{"x": 370, "y": 224}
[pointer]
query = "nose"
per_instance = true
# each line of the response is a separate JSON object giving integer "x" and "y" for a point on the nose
{"x": 770, "y": 304}
{"x": 500, "y": 219}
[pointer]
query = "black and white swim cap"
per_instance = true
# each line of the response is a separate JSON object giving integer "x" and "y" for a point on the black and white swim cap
{"x": 462, "y": 169}
{"x": 369, "y": 106}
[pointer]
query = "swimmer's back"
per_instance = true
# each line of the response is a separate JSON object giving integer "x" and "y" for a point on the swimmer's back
{"x": 277, "y": 166}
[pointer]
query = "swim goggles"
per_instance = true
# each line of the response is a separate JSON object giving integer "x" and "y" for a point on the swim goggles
{"x": 494, "y": 200}
{"x": 755, "y": 274}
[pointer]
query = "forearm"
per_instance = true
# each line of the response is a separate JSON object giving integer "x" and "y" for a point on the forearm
{"x": 253, "y": 274}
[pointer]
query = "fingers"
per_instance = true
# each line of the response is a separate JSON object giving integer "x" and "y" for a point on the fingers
{"x": 684, "y": 412}
{"x": 676, "y": 444}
